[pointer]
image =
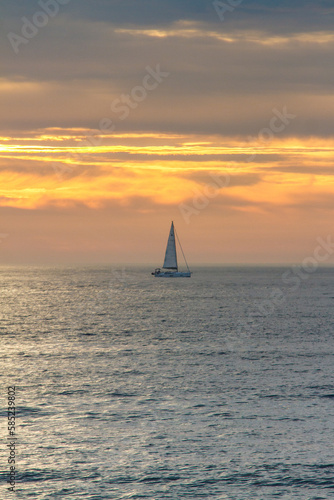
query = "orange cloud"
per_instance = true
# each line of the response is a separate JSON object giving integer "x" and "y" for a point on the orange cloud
{"x": 167, "y": 169}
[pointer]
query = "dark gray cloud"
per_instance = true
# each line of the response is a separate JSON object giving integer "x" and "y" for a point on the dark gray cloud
{"x": 142, "y": 12}
{"x": 272, "y": 15}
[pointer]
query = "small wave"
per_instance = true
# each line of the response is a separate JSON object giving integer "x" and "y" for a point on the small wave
{"x": 160, "y": 479}
{"x": 72, "y": 392}
{"x": 24, "y": 411}
{"x": 117, "y": 394}
{"x": 56, "y": 475}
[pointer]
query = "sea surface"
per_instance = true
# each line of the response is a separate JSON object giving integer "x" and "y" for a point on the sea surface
{"x": 132, "y": 387}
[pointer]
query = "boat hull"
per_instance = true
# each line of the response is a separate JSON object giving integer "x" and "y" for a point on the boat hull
{"x": 171, "y": 274}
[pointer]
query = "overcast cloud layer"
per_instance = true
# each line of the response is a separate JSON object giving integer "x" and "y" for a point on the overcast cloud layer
{"x": 277, "y": 16}
{"x": 229, "y": 74}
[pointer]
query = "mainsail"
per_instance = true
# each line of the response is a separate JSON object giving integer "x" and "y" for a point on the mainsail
{"x": 170, "y": 256}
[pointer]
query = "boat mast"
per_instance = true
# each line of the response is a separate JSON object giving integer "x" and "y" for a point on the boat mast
{"x": 185, "y": 260}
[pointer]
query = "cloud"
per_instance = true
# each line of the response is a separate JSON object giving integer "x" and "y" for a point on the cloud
{"x": 277, "y": 15}
{"x": 220, "y": 82}
{"x": 228, "y": 180}
{"x": 318, "y": 170}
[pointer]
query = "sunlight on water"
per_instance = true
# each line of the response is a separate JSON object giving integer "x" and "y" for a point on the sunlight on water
{"x": 133, "y": 387}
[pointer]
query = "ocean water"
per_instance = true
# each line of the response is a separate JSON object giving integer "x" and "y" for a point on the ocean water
{"x": 131, "y": 387}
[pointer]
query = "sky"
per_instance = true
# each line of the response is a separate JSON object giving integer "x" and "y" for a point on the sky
{"x": 118, "y": 116}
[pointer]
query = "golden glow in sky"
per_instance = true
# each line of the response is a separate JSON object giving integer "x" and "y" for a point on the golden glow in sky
{"x": 160, "y": 168}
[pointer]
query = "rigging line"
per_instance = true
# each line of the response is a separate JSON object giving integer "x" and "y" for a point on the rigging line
{"x": 185, "y": 260}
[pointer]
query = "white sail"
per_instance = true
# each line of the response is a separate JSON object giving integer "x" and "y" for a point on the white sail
{"x": 170, "y": 256}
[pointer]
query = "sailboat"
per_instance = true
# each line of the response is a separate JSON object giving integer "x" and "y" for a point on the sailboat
{"x": 170, "y": 268}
